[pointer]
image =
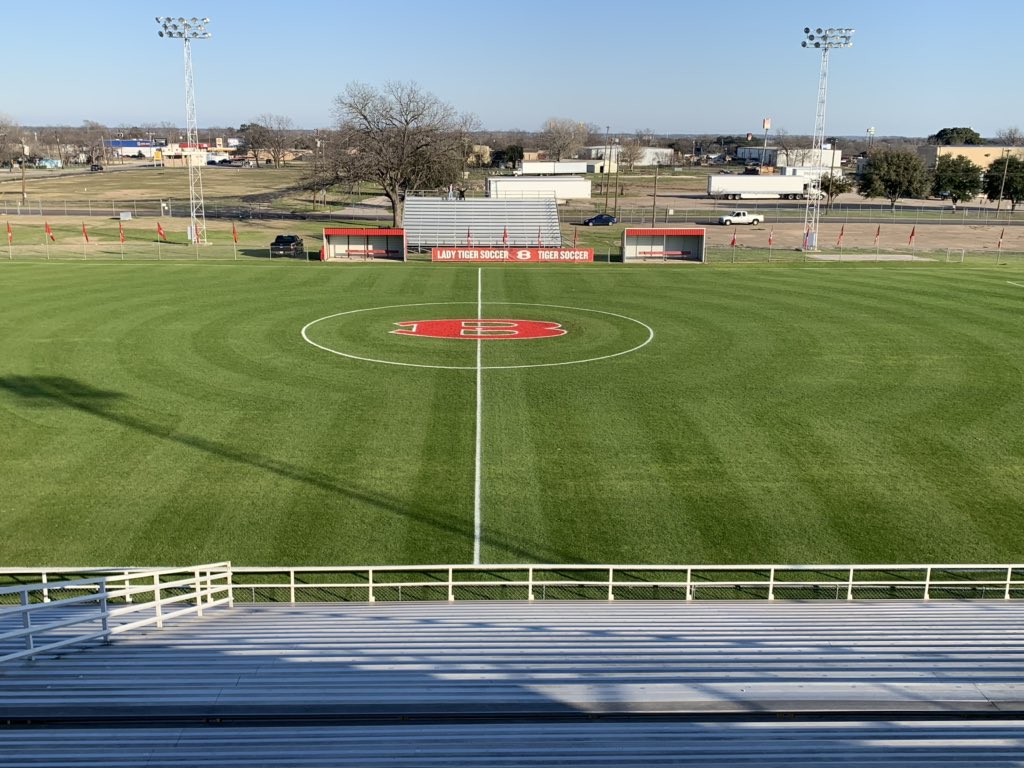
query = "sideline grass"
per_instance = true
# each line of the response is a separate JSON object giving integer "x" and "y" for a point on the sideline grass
{"x": 171, "y": 413}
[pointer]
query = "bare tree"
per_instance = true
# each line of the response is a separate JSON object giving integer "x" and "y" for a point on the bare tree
{"x": 10, "y": 141}
{"x": 1011, "y": 136}
{"x": 401, "y": 137}
{"x": 276, "y": 135}
{"x": 630, "y": 153}
{"x": 257, "y": 139}
{"x": 563, "y": 137}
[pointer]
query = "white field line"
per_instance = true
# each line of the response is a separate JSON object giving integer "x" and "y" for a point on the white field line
{"x": 1019, "y": 285}
{"x": 479, "y": 421}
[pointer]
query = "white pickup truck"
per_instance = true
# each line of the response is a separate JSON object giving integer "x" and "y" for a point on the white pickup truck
{"x": 741, "y": 217}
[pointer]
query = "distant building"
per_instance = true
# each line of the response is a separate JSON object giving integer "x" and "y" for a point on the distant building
{"x": 649, "y": 155}
{"x": 983, "y": 155}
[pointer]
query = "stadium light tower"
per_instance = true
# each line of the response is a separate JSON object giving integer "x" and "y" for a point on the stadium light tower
{"x": 824, "y": 40}
{"x": 189, "y": 30}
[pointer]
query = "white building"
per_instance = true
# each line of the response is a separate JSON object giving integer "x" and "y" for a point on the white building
{"x": 649, "y": 155}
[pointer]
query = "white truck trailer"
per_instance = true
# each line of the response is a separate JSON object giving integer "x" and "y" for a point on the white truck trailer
{"x": 538, "y": 187}
{"x": 750, "y": 187}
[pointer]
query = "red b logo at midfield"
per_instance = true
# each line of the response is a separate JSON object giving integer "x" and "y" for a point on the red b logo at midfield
{"x": 485, "y": 330}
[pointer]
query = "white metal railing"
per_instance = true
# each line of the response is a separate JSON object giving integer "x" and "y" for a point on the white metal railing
{"x": 47, "y": 614}
{"x": 610, "y": 582}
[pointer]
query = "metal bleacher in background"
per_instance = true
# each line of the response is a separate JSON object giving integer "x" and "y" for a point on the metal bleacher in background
{"x": 437, "y": 221}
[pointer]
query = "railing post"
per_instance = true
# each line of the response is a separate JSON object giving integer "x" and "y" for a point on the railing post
{"x": 104, "y": 619}
{"x": 1009, "y": 577}
{"x": 199, "y": 593}
{"x": 156, "y": 601}
{"x": 771, "y": 584}
{"x": 451, "y": 589}
{"x": 127, "y": 583}
{"x": 46, "y": 592}
{"x": 231, "y": 586}
{"x": 291, "y": 586}
{"x": 611, "y": 581}
{"x": 529, "y": 583}
{"x": 370, "y": 573}
{"x": 849, "y": 586}
{"x": 26, "y": 622}
{"x": 927, "y": 582}
{"x": 689, "y": 584}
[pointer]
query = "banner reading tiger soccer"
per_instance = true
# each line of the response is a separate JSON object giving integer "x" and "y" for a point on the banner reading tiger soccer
{"x": 571, "y": 255}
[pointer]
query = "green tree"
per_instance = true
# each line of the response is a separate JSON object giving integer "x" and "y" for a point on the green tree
{"x": 892, "y": 174}
{"x": 956, "y": 177}
{"x": 956, "y": 136}
{"x": 833, "y": 185}
{"x": 514, "y": 153}
{"x": 1004, "y": 180}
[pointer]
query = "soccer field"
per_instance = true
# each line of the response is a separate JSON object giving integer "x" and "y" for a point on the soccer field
{"x": 290, "y": 413}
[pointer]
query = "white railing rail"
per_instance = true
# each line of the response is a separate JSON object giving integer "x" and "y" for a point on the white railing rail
{"x": 610, "y": 582}
{"x": 47, "y": 614}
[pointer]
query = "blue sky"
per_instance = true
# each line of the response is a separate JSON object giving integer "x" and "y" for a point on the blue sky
{"x": 667, "y": 65}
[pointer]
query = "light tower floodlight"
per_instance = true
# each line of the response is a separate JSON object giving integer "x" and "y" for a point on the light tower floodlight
{"x": 824, "y": 40}
{"x": 188, "y": 30}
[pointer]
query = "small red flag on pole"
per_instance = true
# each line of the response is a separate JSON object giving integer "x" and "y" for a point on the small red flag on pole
{"x": 234, "y": 232}
{"x": 504, "y": 237}
{"x": 469, "y": 238}
{"x": 120, "y": 231}
{"x": 842, "y": 231}
{"x": 575, "y": 236}
{"x": 733, "y": 243}
{"x": 540, "y": 238}
{"x": 807, "y": 236}
{"x": 878, "y": 234}
{"x": 10, "y": 233}
{"x": 160, "y": 232}
{"x": 771, "y": 237}
{"x": 49, "y": 232}
{"x": 913, "y": 234}
{"x": 85, "y": 232}
{"x": 1000, "y": 245}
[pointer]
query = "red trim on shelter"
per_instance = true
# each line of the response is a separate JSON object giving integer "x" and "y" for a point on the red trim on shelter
{"x": 360, "y": 231}
{"x": 660, "y": 232}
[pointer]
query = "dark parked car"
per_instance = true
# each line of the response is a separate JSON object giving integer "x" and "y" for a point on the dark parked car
{"x": 95, "y": 167}
{"x": 287, "y": 245}
{"x": 601, "y": 220}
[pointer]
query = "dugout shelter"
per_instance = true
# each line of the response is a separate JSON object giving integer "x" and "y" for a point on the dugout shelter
{"x": 362, "y": 244}
{"x": 663, "y": 244}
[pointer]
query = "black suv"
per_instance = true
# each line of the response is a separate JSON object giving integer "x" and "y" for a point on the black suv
{"x": 287, "y": 245}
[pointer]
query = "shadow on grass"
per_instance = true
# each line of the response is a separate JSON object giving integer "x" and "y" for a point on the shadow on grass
{"x": 84, "y": 398}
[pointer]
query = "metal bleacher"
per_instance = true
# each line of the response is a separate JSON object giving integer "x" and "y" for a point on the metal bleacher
{"x": 437, "y": 221}
{"x": 907, "y": 683}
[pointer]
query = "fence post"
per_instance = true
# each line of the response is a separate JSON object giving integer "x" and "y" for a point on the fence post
{"x": 611, "y": 580}
{"x": 927, "y": 582}
{"x": 127, "y": 583}
{"x": 689, "y": 584}
{"x": 529, "y": 584}
{"x": 46, "y": 592}
{"x": 1009, "y": 576}
{"x": 26, "y": 621}
{"x": 104, "y": 619}
{"x": 771, "y": 584}
{"x": 370, "y": 574}
{"x": 291, "y": 586}
{"x": 849, "y": 586}
{"x": 231, "y": 586}
{"x": 451, "y": 590}
{"x": 156, "y": 601}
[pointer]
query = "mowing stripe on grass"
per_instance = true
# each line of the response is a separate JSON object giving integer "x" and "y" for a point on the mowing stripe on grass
{"x": 479, "y": 420}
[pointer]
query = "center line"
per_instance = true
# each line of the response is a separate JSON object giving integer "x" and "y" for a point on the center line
{"x": 479, "y": 419}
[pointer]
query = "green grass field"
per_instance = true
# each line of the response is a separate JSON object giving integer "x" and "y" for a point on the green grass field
{"x": 162, "y": 413}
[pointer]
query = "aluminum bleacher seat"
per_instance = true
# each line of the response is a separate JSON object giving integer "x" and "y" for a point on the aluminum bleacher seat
{"x": 437, "y": 221}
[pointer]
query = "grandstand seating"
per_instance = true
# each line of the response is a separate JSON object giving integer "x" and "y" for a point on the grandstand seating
{"x": 436, "y": 221}
{"x": 913, "y": 683}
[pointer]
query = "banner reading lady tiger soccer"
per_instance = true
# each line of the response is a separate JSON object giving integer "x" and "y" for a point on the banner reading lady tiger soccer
{"x": 574, "y": 255}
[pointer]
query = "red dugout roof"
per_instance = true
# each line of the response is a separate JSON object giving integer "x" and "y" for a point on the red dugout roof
{"x": 663, "y": 231}
{"x": 361, "y": 232}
